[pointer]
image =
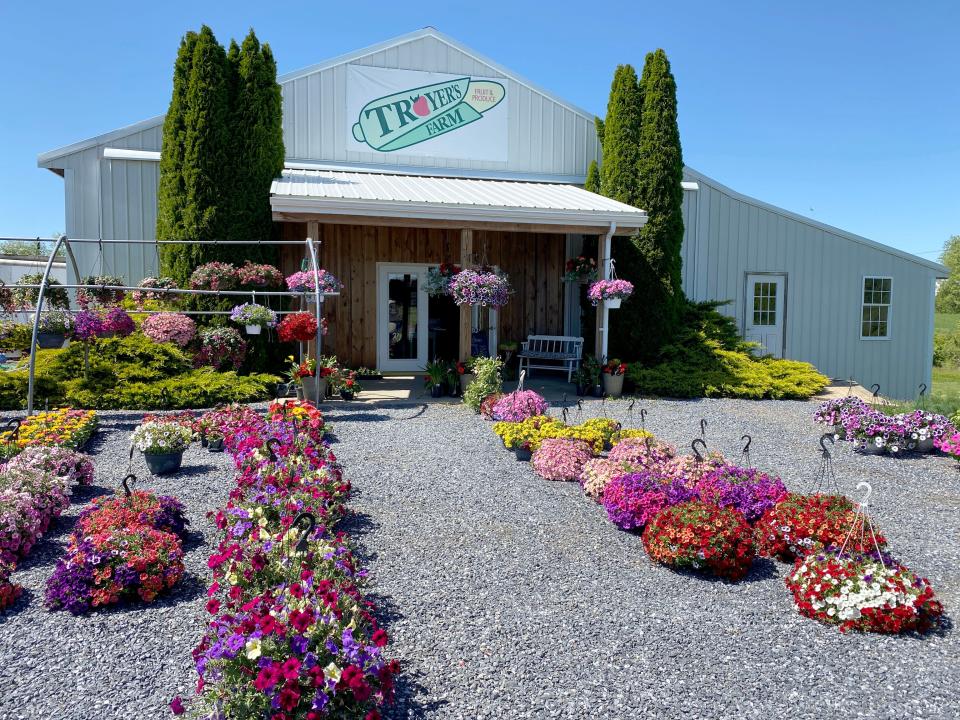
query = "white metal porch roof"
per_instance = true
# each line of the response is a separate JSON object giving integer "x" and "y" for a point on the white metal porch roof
{"x": 357, "y": 194}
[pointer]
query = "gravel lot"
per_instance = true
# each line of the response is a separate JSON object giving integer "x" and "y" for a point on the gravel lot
{"x": 508, "y": 596}
{"x": 124, "y": 662}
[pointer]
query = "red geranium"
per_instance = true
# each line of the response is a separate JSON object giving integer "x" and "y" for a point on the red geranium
{"x": 300, "y": 327}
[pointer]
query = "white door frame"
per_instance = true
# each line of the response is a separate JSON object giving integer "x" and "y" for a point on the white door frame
{"x": 384, "y": 362}
{"x": 780, "y": 278}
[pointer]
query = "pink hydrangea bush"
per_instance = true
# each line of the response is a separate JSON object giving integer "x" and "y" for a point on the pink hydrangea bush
{"x": 519, "y": 405}
{"x": 174, "y": 328}
{"x": 561, "y": 459}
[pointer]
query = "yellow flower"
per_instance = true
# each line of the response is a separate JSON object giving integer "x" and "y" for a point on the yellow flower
{"x": 253, "y": 648}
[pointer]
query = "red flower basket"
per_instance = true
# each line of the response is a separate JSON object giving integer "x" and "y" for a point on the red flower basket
{"x": 299, "y": 327}
{"x": 698, "y": 536}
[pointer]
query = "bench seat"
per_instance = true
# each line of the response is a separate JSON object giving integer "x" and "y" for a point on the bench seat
{"x": 563, "y": 351}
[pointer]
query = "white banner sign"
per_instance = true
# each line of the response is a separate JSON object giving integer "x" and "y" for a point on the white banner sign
{"x": 426, "y": 114}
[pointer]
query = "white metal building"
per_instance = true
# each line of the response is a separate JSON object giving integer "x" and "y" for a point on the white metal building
{"x": 803, "y": 289}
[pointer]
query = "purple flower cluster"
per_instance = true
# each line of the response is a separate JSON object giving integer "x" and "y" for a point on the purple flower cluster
{"x": 748, "y": 490}
{"x": 854, "y": 420}
{"x": 90, "y": 324}
{"x": 633, "y": 499}
{"x": 609, "y": 290}
{"x": 479, "y": 287}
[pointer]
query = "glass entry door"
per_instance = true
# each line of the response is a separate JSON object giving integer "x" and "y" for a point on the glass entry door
{"x": 764, "y": 312}
{"x": 402, "y": 317}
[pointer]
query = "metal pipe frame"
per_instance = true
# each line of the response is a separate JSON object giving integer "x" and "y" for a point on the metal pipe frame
{"x": 64, "y": 241}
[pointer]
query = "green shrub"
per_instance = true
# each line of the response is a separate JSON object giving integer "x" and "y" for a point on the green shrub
{"x": 15, "y": 336}
{"x": 13, "y": 391}
{"x": 709, "y": 359}
{"x": 488, "y": 380}
{"x": 946, "y": 349}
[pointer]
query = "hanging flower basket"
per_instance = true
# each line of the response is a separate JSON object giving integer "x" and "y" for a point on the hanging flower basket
{"x": 256, "y": 275}
{"x": 24, "y": 298}
{"x": 298, "y": 327}
{"x": 580, "y": 270}
{"x": 215, "y": 276}
{"x": 170, "y": 327}
{"x": 439, "y": 277}
{"x": 303, "y": 281}
{"x": 480, "y": 286}
{"x": 152, "y": 290}
{"x": 104, "y": 296}
{"x": 612, "y": 292}
{"x": 254, "y": 317}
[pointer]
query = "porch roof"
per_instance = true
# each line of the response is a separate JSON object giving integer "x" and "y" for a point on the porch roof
{"x": 373, "y": 198}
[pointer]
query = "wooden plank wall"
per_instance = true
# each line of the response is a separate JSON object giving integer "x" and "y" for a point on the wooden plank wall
{"x": 534, "y": 262}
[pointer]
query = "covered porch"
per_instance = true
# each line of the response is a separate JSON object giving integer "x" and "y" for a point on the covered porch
{"x": 381, "y": 233}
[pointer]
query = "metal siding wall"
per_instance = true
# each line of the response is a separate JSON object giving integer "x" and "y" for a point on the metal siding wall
{"x": 544, "y": 137}
{"x": 824, "y": 286}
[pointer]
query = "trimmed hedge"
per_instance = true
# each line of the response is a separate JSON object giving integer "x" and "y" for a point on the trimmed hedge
{"x": 708, "y": 359}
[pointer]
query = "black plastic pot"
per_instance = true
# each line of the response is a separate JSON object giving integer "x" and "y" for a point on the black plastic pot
{"x": 436, "y": 391}
{"x": 346, "y": 395}
{"x": 49, "y": 340}
{"x": 581, "y": 390}
{"x": 215, "y": 445}
{"x": 597, "y": 391}
{"x": 523, "y": 454}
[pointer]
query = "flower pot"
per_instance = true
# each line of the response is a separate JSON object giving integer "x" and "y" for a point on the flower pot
{"x": 436, "y": 391}
{"x": 597, "y": 391}
{"x": 309, "y": 385}
{"x": 582, "y": 390}
{"x": 49, "y": 340}
{"x": 165, "y": 463}
{"x": 204, "y": 442}
{"x": 613, "y": 303}
{"x": 321, "y": 389}
{"x": 613, "y": 384}
{"x": 453, "y": 389}
{"x": 871, "y": 448}
{"x": 282, "y": 390}
{"x": 253, "y": 329}
{"x": 925, "y": 445}
{"x": 465, "y": 381}
{"x": 299, "y": 392}
{"x": 523, "y": 454}
{"x": 216, "y": 445}
{"x": 346, "y": 395}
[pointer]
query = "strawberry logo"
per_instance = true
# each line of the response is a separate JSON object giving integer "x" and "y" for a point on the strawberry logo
{"x": 420, "y": 106}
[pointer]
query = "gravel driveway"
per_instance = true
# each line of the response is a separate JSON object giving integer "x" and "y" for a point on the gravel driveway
{"x": 511, "y": 597}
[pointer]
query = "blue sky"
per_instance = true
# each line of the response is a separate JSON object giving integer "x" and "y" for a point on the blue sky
{"x": 847, "y": 112}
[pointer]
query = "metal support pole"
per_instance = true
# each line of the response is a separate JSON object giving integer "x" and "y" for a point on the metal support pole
{"x": 36, "y": 322}
{"x": 318, "y": 305}
{"x": 605, "y": 325}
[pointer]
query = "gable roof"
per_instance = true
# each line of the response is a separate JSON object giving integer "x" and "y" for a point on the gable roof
{"x": 690, "y": 173}
{"x": 47, "y": 159}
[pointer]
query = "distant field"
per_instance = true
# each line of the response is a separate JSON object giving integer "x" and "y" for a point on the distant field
{"x": 945, "y": 322}
{"x": 946, "y": 382}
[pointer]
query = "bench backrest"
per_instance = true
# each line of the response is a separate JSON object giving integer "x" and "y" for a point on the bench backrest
{"x": 559, "y": 344}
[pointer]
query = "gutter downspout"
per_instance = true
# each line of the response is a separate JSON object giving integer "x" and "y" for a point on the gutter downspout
{"x": 607, "y": 267}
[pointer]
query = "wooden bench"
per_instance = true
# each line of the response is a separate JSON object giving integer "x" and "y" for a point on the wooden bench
{"x": 563, "y": 351}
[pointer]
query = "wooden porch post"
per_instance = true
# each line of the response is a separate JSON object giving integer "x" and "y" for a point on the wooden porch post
{"x": 602, "y": 273}
{"x": 466, "y": 314}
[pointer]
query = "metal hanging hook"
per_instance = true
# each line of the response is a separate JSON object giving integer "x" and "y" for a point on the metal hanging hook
{"x": 563, "y": 414}
{"x": 14, "y": 432}
{"x": 703, "y": 427}
{"x": 864, "y": 485}
{"x": 696, "y": 453}
{"x": 311, "y": 521}
{"x": 876, "y": 389}
{"x": 824, "y": 448}
{"x": 125, "y": 486}
{"x": 643, "y": 418}
{"x": 271, "y": 444}
{"x": 923, "y": 389}
{"x": 746, "y": 448}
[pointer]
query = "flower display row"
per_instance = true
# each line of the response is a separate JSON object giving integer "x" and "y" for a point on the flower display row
{"x": 705, "y": 515}
{"x": 35, "y": 488}
{"x": 875, "y": 432}
{"x": 122, "y": 548}
{"x": 226, "y": 276}
{"x": 307, "y": 282}
{"x": 290, "y": 634}
{"x": 64, "y": 428}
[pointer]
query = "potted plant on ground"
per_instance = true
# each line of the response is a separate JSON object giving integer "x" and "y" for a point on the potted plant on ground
{"x": 465, "y": 373}
{"x": 613, "y": 374}
{"x": 435, "y": 378}
{"x": 508, "y": 349}
{"x": 305, "y": 374}
{"x": 214, "y": 440}
{"x": 582, "y": 379}
{"x": 255, "y": 317}
{"x": 591, "y": 373}
{"x": 55, "y": 326}
{"x": 452, "y": 379}
{"x": 612, "y": 292}
{"x": 346, "y": 383}
{"x": 162, "y": 445}
{"x": 580, "y": 269}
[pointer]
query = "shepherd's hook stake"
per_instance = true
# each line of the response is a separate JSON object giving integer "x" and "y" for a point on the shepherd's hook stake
{"x": 864, "y": 485}
{"x": 746, "y": 448}
{"x": 876, "y": 389}
{"x": 696, "y": 453}
{"x": 123, "y": 483}
{"x": 703, "y": 427}
{"x": 270, "y": 445}
{"x": 824, "y": 448}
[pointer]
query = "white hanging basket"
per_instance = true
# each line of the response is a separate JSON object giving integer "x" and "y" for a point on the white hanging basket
{"x": 253, "y": 329}
{"x": 613, "y": 303}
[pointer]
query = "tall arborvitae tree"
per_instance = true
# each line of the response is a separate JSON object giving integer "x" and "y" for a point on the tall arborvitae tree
{"x": 593, "y": 178}
{"x": 620, "y": 137}
{"x": 259, "y": 151}
{"x": 198, "y": 144}
{"x": 222, "y": 147}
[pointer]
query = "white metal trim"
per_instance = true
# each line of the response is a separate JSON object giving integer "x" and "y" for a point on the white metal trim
{"x": 44, "y": 159}
{"x": 690, "y": 185}
{"x": 861, "y": 304}
{"x": 125, "y": 154}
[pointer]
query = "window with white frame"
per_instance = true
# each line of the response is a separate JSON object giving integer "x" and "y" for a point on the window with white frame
{"x": 875, "y": 316}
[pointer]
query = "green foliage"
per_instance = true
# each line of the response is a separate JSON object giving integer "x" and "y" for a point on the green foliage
{"x": 132, "y": 372}
{"x": 488, "y": 380}
{"x": 593, "y": 178}
{"x": 222, "y": 146}
{"x": 708, "y": 359}
{"x": 946, "y": 349}
{"x": 54, "y": 296}
{"x": 948, "y": 295}
{"x": 15, "y": 336}
{"x": 621, "y": 138}
{"x": 30, "y": 248}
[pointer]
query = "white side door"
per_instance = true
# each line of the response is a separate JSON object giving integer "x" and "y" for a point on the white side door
{"x": 764, "y": 316}
{"x": 402, "y": 322}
